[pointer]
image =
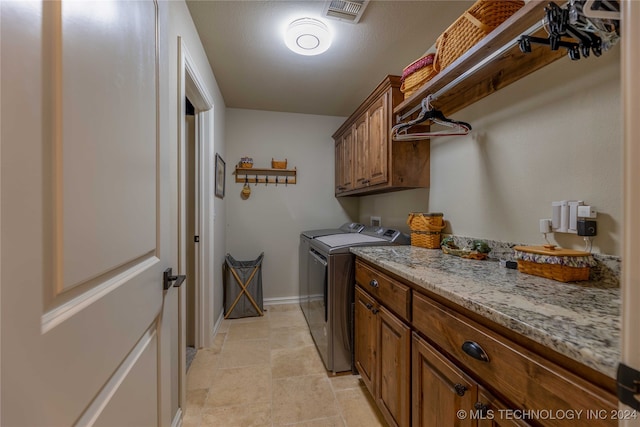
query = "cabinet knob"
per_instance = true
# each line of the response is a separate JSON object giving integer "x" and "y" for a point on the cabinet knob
{"x": 375, "y": 311}
{"x": 481, "y": 408}
{"x": 369, "y": 306}
{"x": 474, "y": 350}
{"x": 374, "y": 283}
{"x": 460, "y": 389}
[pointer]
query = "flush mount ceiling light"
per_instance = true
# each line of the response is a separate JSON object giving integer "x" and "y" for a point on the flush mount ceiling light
{"x": 308, "y": 36}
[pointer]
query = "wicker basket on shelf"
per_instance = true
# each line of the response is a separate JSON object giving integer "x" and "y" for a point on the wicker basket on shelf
{"x": 478, "y": 21}
{"x": 278, "y": 164}
{"x": 563, "y": 265}
{"x": 426, "y": 229}
{"x": 246, "y": 162}
{"x": 416, "y": 74}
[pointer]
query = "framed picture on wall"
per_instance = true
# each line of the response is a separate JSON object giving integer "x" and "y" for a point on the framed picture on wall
{"x": 220, "y": 174}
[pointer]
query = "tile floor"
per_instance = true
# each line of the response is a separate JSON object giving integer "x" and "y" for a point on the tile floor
{"x": 265, "y": 371}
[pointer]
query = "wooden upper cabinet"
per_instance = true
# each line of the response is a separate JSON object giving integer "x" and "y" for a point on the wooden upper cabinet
{"x": 361, "y": 149}
{"x": 378, "y": 142}
{"x": 344, "y": 169}
{"x": 377, "y": 163}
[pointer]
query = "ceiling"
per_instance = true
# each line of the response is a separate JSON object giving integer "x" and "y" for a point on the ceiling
{"x": 255, "y": 70}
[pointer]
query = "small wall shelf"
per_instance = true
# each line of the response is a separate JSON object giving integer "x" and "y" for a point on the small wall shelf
{"x": 266, "y": 176}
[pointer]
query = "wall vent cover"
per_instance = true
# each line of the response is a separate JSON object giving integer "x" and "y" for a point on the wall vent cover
{"x": 345, "y": 10}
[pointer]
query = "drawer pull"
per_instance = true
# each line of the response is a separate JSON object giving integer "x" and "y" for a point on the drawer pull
{"x": 460, "y": 389}
{"x": 369, "y": 306}
{"x": 374, "y": 283}
{"x": 375, "y": 311}
{"x": 474, "y": 350}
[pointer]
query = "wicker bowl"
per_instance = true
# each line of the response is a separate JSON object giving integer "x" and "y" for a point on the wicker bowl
{"x": 416, "y": 74}
{"x": 563, "y": 265}
{"x": 278, "y": 164}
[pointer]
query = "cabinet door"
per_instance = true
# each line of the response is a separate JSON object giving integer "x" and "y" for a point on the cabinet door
{"x": 343, "y": 165}
{"x": 393, "y": 384}
{"x": 491, "y": 412}
{"x": 440, "y": 389}
{"x": 347, "y": 161}
{"x": 361, "y": 146}
{"x": 365, "y": 338}
{"x": 378, "y": 148}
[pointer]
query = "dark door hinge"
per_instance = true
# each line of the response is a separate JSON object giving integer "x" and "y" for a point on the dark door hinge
{"x": 628, "y": 380}
{"x": 196, "y": 239}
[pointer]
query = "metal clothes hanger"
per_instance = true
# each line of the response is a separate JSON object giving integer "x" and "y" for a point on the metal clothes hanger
{"x": 428, "y": 113}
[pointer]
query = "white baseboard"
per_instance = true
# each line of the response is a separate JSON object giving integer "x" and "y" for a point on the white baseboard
{"x": 283, "y": 300}
{"x": 216, "y": 326}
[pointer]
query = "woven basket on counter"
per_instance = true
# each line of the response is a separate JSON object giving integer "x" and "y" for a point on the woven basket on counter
{"x": 426, "y": 229}
{"x": 563, "y": 265}
{"x": 478, "y": 21}
{"x": 416, "y": 74}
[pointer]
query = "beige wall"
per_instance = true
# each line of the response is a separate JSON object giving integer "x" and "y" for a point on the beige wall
{"x": 271, "y": 220}
{"x": 554, "y": 135}
{"x": 392, "y": 208}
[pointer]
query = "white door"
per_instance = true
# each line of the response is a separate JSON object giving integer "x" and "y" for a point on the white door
{"x": 84, "y": 215}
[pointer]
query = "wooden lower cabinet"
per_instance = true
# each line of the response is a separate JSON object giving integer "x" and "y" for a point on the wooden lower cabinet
{"x": 365, "y": 338}
{"x": 494, "y": 413}
{"x": 428, "y": 365}
{"x": 383, "y": 358}
{"x": 443, "y": 395}
{"x": 441, "y": 391}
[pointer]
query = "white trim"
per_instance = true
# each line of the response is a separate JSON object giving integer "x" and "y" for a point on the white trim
{"x": 191, "y": 85}
{"x": 97, "y": 405}
{"x": 56, "y": 316}
{"x": 281, "y": 300}
{"x": 177, "y": 420}
{"x": 630, "y": 88}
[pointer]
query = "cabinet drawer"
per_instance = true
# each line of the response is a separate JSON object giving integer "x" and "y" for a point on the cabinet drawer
{"x": 389, "y": 292}
{"x": 529, "y": 381}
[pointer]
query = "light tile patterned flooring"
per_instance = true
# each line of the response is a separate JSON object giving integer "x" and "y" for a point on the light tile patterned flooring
{"x": 265, "y": 371}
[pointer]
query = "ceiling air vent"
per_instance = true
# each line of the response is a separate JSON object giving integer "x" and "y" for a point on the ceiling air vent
{"x": 345, "y": 10}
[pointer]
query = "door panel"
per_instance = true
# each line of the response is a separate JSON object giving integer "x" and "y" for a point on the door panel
{"x": 135, "y": 383}
{"x": 102, "y": 104}
{"x": 394, "y": 364}
{"x": 84, "y": 224}
{"x": 365, "y": 338}
{"x": 378, "y": 141}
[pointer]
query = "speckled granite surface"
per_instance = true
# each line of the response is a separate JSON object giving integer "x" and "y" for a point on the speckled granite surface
{"x": 577, "y": 320}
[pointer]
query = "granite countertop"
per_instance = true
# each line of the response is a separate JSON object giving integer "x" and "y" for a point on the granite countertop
{"x": 576, "y": 320}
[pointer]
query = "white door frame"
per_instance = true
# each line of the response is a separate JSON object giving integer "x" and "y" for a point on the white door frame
{"x": 631, "y": 200}
{"x": 191, "y": 86}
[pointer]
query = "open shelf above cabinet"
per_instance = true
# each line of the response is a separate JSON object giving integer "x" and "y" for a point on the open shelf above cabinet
{"x": 493, "y": 63}
{"x": 266, "y": 176}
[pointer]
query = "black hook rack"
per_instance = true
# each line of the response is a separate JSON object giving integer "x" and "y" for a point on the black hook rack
{"x": 559, "y": 21}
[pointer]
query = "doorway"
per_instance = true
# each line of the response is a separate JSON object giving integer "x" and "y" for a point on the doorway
{"x": 195, "y": 135}
{"x": 192, "y": 220}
